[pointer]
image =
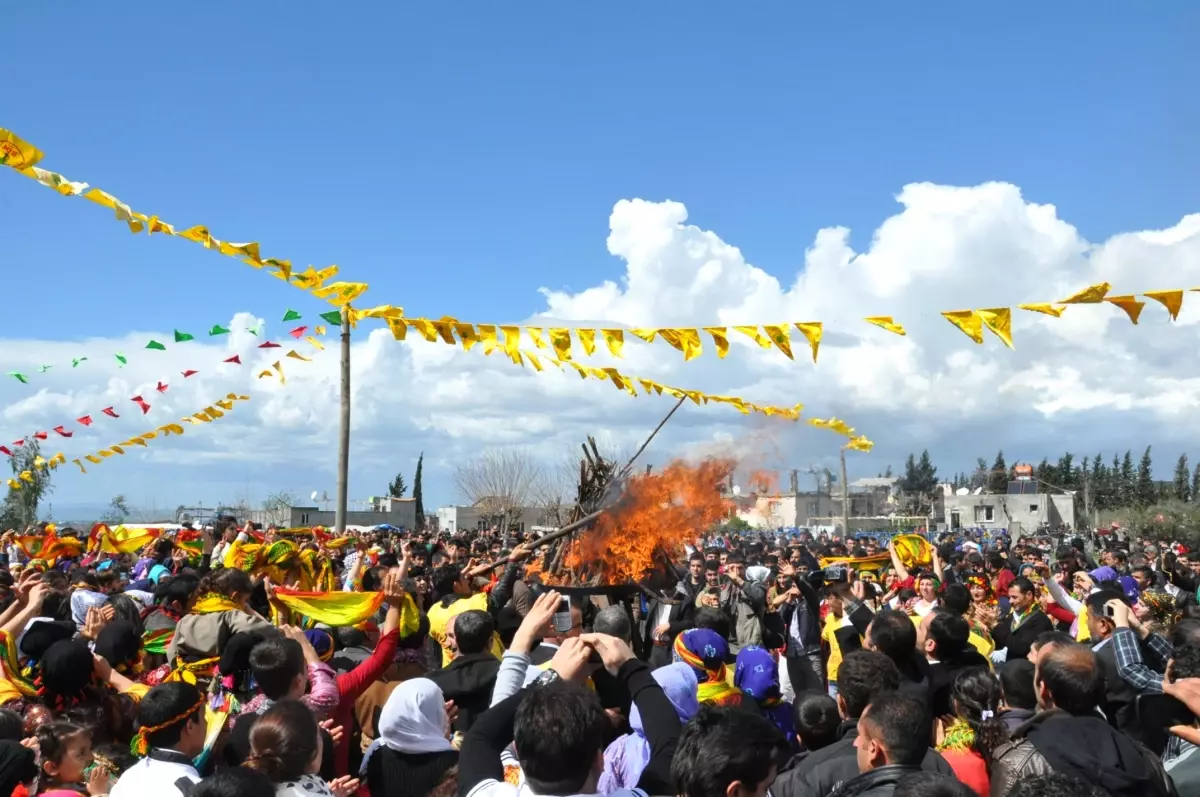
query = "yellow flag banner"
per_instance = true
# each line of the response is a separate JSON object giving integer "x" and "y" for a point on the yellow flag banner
{"x": 123, "y": 540}
{"x": 336, "y": 608}
{"x": 39, "y": 464}
{"x": 22, "y": 157}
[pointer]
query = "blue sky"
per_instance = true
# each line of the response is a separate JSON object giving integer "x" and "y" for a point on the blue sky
{"x": 460, "y": 156}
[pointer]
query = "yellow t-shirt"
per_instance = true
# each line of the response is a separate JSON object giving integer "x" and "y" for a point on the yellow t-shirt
{"x": 828, "y": 634}
{"x": 440, "y": 616}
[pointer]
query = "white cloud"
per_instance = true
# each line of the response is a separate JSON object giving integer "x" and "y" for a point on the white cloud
{"x": 1088, "y": 381}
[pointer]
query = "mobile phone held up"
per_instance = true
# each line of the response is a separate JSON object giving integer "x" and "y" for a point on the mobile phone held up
{"x": 561, "y": 619}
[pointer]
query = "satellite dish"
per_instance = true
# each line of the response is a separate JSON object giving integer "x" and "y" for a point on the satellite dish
{"x": 962, "y": 491}
{"x": 314, "y": 495}
{"x": 737, "y": 490}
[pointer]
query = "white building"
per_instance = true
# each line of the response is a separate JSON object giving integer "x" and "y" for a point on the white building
{"x": 455, "y": 519}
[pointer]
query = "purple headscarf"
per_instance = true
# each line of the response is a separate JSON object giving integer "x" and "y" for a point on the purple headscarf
{"x": 628, "y": 755}
{"x": 757, "y": 675}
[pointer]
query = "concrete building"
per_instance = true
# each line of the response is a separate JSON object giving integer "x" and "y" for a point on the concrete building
{"x": 873, "y": 497}
{"x": 1019, "y": 513}
{"x": 398, "y": 512}
{"x": 453, "y": 519}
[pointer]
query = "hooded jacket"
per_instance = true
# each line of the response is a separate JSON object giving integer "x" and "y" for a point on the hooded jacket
{"x": 1087, "y": 748}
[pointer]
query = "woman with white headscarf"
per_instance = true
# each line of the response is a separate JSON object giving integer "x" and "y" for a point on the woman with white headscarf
{"x": 412, "y": 754}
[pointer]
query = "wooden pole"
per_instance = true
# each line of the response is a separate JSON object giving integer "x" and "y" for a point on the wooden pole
{"x": 343, "y": 477}
{"x": 845, "y": 498}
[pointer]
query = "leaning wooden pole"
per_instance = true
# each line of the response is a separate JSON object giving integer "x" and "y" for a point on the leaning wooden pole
{"x": 343, "y": 476}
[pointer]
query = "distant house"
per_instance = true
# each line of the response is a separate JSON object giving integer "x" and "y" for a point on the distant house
{"x": 482, "y": 515}
{"x": 1021, "y": 510}
{"x": 398, "y": 512}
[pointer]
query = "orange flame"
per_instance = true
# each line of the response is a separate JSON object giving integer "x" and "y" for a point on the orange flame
{"x": 657, "y": 514}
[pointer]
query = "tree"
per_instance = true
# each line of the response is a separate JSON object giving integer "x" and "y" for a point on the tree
{"x": 997, "y": 481}
{"x": 1145, "y": 493}
{"x": 118, "y": 510}
{"x": 910, "y": 479}
{"x": 418, "y": 498}
{"x": 1126, "y": 484}
{"x": 397, "y": 487}
{"x": 926, "y": 474}
{"x": 278, "y": 507}
{"x": 1183, "y": 479}
{"x": 1196, "y": 484}
{"x": 498, "y": 482}
{"x": 20, "y": 508}
{"x": 1064, "y": 473}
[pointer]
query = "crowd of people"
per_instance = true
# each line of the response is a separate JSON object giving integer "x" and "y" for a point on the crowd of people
{"x": 229, "y": 661}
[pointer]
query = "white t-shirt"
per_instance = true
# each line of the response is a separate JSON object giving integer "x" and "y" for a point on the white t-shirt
{"x": 151, "y": 778}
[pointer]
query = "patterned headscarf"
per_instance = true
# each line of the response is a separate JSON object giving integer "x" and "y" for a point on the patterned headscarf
{"x": 757, "y": 675}
{"x": 705, "y": 651}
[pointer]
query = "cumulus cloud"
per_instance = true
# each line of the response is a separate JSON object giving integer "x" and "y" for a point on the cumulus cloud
{"x": 1088, "y": 381}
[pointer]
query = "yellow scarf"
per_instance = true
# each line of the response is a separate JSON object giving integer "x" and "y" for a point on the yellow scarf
{"x": 339, "y": 608}
{"x": 213, "y": 603}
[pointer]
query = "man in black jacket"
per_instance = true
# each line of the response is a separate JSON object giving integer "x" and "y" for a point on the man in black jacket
{"x": 944, "y": 639}
{"x": 862, "y": 678}
{"x": 468, "y": 679}
{"x": 887, "y": 748}
{"x": 666, "y": 618}
{"x": 1025, "y": 620}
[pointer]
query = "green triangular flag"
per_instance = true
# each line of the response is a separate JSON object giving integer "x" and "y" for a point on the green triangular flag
{"x": 121, "y": 359}
{"x": 253, "y": 331}
{"x": 20, "y": 377}
{"x": 332, "y": 317}
{"x": 154, "y": 344}
{"x": 44, "y": 368}
{"x": 180, "y": 337}
{"x": 75, "y": 361}
{"x": 291, "y": 315}
{"x": 218, "y": 330}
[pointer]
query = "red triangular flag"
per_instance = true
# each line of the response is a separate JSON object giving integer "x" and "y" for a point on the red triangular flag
{"x": 62, "y": 431}
{"x": 298, "y": 332}
{"x": 141, "y": 402}
{"x": 235, "y": 359}
{"x": 162, "y": 387}
{"x": 4, "y": 450}
{"x": 189, "y": 372}
{"x": 19, "y": 443}
{"x": 86, "y": 420}
{"x": 109, "y": 411}
{"x": 41, "y": 435}
{"x": 268, "y": 345}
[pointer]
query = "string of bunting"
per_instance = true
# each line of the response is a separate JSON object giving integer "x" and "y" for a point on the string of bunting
{"x": 23, "y": 157}
{"x": 162, "y": 386}
{"x": 216, "y": 330}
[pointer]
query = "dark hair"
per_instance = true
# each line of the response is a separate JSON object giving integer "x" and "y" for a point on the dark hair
{"x": 1054, "y": 784}
{"x": 713, "y": 620}
{"x": 956, "y": 598}
{"x": 558, "y": 731}
{"x": 164, "y": 703}
{"x": 892, "y": 717}
{"x": 473, "y": 631}
{"x": 996, "y": 560}
{"x": 12, "y": 725}
{"x": 275, "y": 663}
{"x": 444, "y": 577}
{"x": 614, "y": 621}
{"x": 225, "y": 581}
{"x": 1185, "y": 632}
{"x": 1052, "y": 638}
{"x": 863, "y": 675}
{"x": 175, "y": 590}
{"x": 975, "y": 691}
{"x": 722, "y": 745}
{"x": 1185, "y": 662}
{"x": 235, "y": 782}
{"x": 931, "y": 784}
{"x": 284, "y": 740}
{"x": 817, "y": 719}
{"x": 52, "y": 741}
{"x": 1097, "y": 600}
{"x": 126, "y": 609}
{"x": 1021, "y": 583}
{"x": 695, "y": 556}
{"x": 1016, "y": 684}
{"x": 1075, "y": 682}
{"x": 893, "y": 634}
{"x": 950, "y": 633}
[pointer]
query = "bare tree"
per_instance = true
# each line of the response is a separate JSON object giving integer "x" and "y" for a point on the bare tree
{"x": 277, "y": 508}
{"x": 498, "y": 482}
{"x": 557, "y": 491}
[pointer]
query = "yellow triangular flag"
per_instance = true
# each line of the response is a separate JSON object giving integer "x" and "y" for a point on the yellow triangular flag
{"x": 885, "y": 322}
{"x": 512, "y": 340}
{"x": 560, "y": 339}
{"x": 1093, "y": 294}
{"x": 1130, "y": 304}
{"x": 1172, "y": 300}
{"x": 466, "y": 333}
{"x": 999, "y": 321}
{"x": 535, "y": 334}
{"x": 685, "y": 339}
{"x": 295, "y": 355}
{"x": 487, "y": 334}
{"x": 1044, "y": 308}
{"x": 758, "y": 337}
{"x": 615, "y": 340}
{"x": 720, "y": 338}
{"x": 779, "y": 335}
{"x": 587, "y": 339}
{"x": 645, "y": 334}
{"x": 813, "y": 331}
{"x": 968, "y": 321}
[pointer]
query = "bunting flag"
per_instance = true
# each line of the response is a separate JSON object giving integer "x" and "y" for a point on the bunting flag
{"x": 40, "y": 463}
{"x": 337, "y": 608}
{"x": 857, "y": 442}
{"x": 178, "y": 336}
{"x": 121, "y": 539}
{"x": 22, "y": 156}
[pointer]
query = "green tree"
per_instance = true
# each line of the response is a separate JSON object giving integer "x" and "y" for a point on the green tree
{"x": 20, "y": 509}
{"x": 118, "y": 511}
{"x": 1196, "y": 484}
{"x": 417, "y": 496}
{"x": 1065, "y": 473}
{"x": 997, "y": 481}
{"x": 1100, "y": 484}
{"x": 1183, "y": 479}
{"x": 1126, "y": 483}
{"x": 926, "y": 474}
{"x": 398, "y": 486}
{"x": 1145, "y": 493}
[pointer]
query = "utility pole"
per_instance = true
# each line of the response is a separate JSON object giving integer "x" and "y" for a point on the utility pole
{"x": 343, "y": 478}
{"x": 845, "y": 497}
